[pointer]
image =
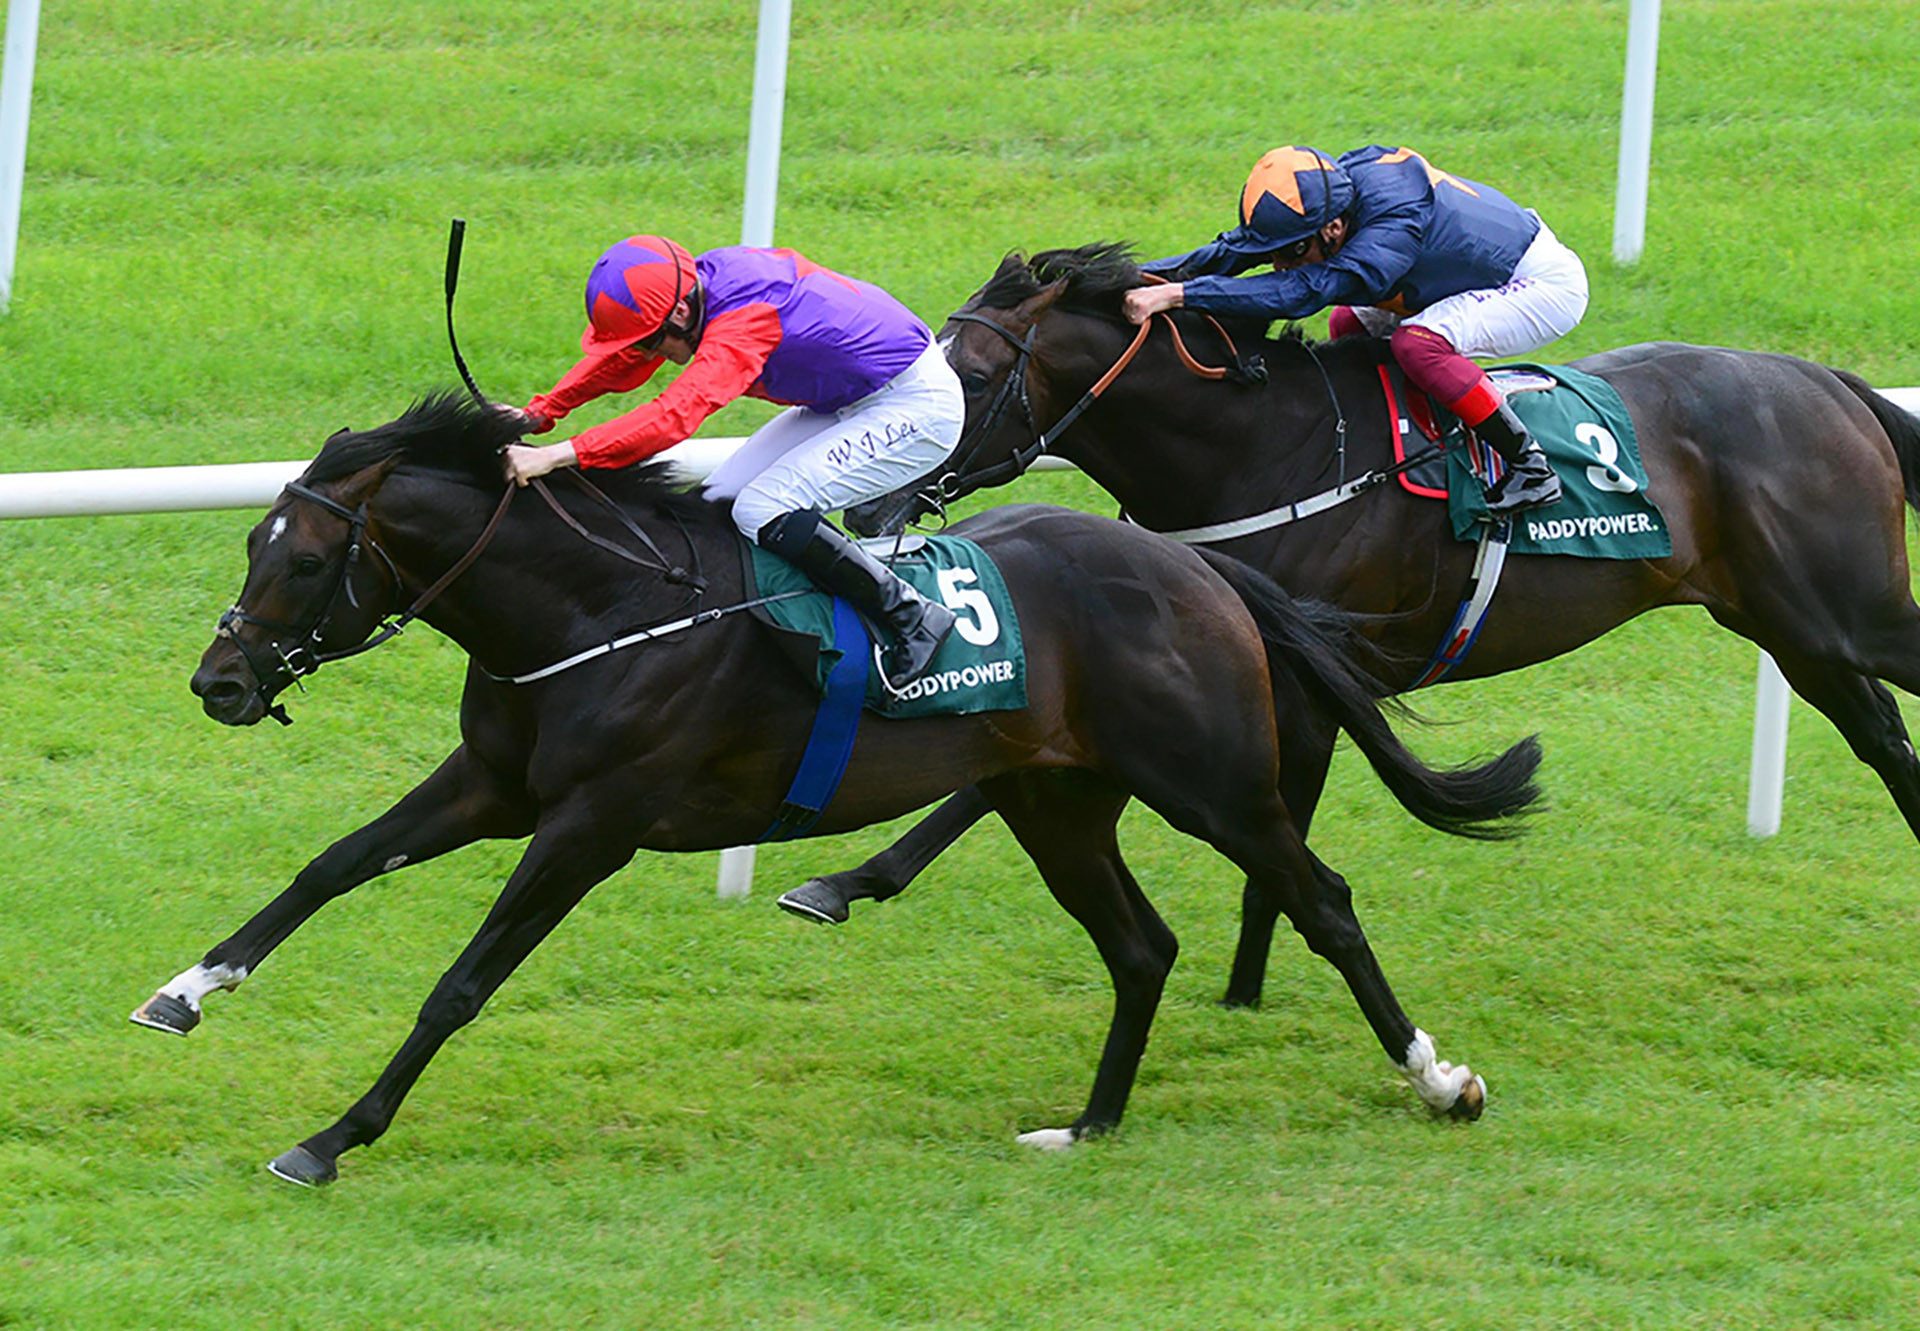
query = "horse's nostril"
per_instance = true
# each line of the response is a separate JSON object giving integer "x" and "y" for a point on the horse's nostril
{"x": 217, "y": 691}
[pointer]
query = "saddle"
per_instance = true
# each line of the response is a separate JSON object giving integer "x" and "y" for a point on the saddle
{"x": 1583, "y": 428}
{"x": 981, "y": 667}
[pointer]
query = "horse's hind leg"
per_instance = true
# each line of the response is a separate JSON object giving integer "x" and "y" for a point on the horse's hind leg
{"x": 1327, "y": 922}
{"x": 1264, "y": 843}
{"x": 462, "y": 802}
{"x": 1838, "y": 667}
{"x": 1303, "y": 775}
{"x": 1865, "y": 713}
{"x": 1065, "y": 821}
{"x": 825, "y": 900}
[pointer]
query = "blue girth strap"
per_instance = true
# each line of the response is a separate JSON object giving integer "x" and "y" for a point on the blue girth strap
{"x": 834, "y": 726}
{"x": 1488, "y": 561}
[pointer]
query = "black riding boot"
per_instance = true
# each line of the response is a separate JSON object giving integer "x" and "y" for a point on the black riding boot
{"x": 837, "y": 565}
{"x": 1529, "y": 482}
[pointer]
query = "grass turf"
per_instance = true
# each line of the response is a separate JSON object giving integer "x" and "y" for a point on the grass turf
{"x": 688, "y": 1113}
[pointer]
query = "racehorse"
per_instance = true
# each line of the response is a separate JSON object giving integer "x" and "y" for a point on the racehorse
{"x": 1781, "y": 480}
{"x": 1152, "y": 672}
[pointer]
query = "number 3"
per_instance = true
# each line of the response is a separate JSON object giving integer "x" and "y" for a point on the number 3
{"x": 1606, "y": 476}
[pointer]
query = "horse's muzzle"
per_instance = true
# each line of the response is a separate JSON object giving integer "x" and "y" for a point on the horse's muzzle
{"x": 227, "y": 694}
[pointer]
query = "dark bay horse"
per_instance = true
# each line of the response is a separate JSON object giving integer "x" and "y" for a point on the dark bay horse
{"x": 1153, "y": 672}
{"x": 1782, "y": 482}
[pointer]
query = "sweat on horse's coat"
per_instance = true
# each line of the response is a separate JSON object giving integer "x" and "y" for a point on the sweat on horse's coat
{"x": 1153, "y": 670}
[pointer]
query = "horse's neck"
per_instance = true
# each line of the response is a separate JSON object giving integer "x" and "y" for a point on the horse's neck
{"x": 536, "y": 586}
{"x": 1180, "y": 451}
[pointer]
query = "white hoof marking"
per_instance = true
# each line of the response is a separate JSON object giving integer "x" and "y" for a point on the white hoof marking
{"x": 1048, "y": 1139}
{"x": 1438, "y": 1083}
{"x": 190, "y": 986}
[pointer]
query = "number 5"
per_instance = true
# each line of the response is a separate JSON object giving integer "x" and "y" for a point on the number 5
{"x": 977, "y": 623}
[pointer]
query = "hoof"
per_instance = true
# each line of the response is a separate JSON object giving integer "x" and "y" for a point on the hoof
{"x": 814, "y": 900}
{"x": 164, "y": 1012}
{"x": 1048, "y": 1139}
{"x": 303, "y": 1167}
{"x": 1472, "y": 1101}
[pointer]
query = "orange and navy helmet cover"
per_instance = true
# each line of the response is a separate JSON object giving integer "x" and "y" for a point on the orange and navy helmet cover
{"x": 632, "y": 289}
{"x": 1290, "y": 194}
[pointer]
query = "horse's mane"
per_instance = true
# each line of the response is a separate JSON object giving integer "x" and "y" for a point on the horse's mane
{"x": 1097, "y": 276}
{"x": 447, "y": 433}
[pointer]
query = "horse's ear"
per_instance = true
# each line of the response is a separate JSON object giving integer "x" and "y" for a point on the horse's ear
{"x": 1028, "y": 311}
{"x": 358, "y": 488}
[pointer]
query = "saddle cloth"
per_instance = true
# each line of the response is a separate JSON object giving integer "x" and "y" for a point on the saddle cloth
{"x": 981, "y": 667}
{"x": 1583, "y": 428}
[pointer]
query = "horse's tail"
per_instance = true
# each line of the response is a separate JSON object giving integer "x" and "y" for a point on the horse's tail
{"x": 1901, "y": 427}
{"x": 1302, "y": 639}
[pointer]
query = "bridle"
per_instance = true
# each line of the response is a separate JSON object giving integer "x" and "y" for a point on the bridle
{"x": 951, "y": 485}
{"x": 953, "y": 482}
{"x": 306, "y": 654}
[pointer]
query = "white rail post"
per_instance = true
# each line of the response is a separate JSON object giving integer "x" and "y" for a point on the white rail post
{"x": 763, "y": 133}
{"x": 1767, "y": 782}
{"x": 16, "y": 98}
{"x": 1636, "y": 131}
{"x": 756, "y": 228}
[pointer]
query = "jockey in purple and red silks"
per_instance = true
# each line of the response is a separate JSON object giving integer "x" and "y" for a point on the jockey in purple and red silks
{"x": 1449, "y": 267}
{"x": 872, "y": 405}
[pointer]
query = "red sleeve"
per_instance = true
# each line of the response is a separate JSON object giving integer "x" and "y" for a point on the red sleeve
{"x": 594, "y": 377}
{"x": 733, "y": 351}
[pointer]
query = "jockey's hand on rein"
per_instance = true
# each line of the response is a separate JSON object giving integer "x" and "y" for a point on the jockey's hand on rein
{"x": 522, "y": 463}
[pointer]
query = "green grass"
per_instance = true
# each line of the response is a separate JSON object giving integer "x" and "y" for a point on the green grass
{"x": 689, "y": 1113}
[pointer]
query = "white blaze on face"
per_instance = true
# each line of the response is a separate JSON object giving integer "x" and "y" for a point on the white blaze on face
{"x": 278, "y": 529}
{"x": 946, "y": 345}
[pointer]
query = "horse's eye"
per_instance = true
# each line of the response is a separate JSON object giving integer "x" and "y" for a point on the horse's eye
{"x": 305, "y": 566}
{"x": 974, "y": 382}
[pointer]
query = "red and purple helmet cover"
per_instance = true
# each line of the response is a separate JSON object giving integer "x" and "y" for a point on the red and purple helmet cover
{"x": 632, "y": 290}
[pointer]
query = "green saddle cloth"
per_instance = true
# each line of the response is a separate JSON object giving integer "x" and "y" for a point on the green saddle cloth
{"x": 1583, "y": 428}
{"x": 981, "y": 667}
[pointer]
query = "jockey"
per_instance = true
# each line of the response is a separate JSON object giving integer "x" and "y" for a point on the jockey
{"x": 872, "y": 404}
{"x": 1450, "y": 268}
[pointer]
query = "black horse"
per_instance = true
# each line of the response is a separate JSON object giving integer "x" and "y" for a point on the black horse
{"x": 1152, "y": 672}
{"x": 1782, "y": 483}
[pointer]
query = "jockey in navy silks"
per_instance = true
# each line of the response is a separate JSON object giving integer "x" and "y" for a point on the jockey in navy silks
{"x": 872, "y": 405}
{"x": 1447, "y": 267}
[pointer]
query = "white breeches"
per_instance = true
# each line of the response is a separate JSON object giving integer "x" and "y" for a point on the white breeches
{"x": 1543, "y": 300}
{"x": 829, "y": 460}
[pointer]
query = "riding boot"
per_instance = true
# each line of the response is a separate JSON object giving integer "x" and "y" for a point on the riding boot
{"x": 1530, "y": 481}
{"x": 836, "y": 564}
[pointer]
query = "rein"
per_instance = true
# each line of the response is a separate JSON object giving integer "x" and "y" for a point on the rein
{"x": 952, "y": 484}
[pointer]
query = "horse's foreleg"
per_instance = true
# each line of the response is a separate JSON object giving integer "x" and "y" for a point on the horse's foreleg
{"x": 565, "y": 860}
{"x": 462, "y": 802}
{"x": 1303, "y": 775}
{"x": 825, "y": 900}
{"x": 1065, "y": 821}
